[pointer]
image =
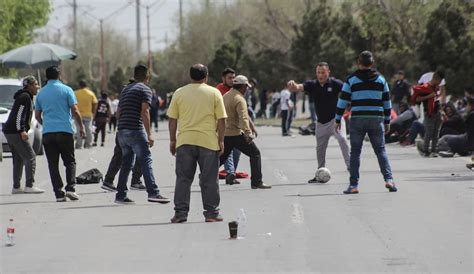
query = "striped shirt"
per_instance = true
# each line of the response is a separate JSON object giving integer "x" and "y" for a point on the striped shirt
{"x": 130, "y": 105}
{"x": 369, "y": 96}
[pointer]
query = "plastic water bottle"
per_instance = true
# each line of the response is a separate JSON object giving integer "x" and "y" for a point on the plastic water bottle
{"x": 10, "y": 234}
{"x": 242, "y": 228}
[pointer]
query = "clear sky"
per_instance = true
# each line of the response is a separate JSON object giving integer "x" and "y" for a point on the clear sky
{"x": 163, "y": 17}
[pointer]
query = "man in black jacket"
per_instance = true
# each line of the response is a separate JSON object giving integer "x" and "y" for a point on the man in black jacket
{"x": 16, "y": 132}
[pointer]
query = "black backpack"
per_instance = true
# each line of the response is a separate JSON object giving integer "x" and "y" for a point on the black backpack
{"x": 92, "y": 176}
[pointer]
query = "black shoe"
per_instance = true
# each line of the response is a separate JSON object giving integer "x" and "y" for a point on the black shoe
{"x": 230, "y": 180}
{"x": 158, "y": 199}
{"x": 102, "y": 144}
{"x": 313, "y": 181}
{"x": 138, "y": 186}
{"x": 391, "y": 186}
{"x": 261, "y": 186}
{"x": 124, "y": 201}
{"x": 177, "y": 220}
{"x": 446, "y": 154}
{"x": 108, "y": 187}
{"x": 94, "y": 144}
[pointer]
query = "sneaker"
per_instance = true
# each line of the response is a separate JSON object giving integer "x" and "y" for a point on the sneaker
{"x": 421, "y": 150}
{"x": 18, "y": 190}
{"x": 72, "y": 195}
{"x": 102, "y": 144}
{"x": 230, "y": 180}
{"x": 61, "y": 199}
{"x": 138, "y": 186}
{"x": 177, "y": 220}
{"x": 470, "y": 166}
{"x": 94, "y": 144}
{"x": 34, "y": 190}
{"x": 446, "y": 154}
{"x": 313, "y": 181}
{"x": 351, "y": 190}
{"x": 391, "y": 186}
{"x": 158, "y": 199}
{"x": 124, "y": 201}
{"x": 261, "y": 186}
{"x": 433, "y": 155}
{"x": 108, "y": 187}
{"x": 214, "y": 219}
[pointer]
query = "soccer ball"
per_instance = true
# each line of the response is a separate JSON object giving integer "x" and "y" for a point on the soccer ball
{"x": 323, "y": 175}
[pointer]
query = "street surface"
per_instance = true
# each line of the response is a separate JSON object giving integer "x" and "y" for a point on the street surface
{"x": 426, "y": 227}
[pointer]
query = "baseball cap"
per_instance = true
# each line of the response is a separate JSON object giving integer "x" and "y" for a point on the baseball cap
{"x": 240, "y": 80}
{"x": 28, "y": 80}
{"x": 366, "y": 58}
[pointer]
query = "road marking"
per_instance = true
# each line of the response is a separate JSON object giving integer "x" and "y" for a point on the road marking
{"x": 297, "y": 215}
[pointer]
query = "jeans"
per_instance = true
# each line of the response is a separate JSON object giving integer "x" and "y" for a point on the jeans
{"x": 249, "y": 149}
{"x": 286, "y": 119}
{"x": 135, "y": 142}
{"x": 23, "y": 155}
{"x": 60, "y": 144}
{"x": 432, "y": 127}
{"x": 232, "y": 162}
{"x": 116, "y": 162}
{"x": 87, "y": 126}
{"x": 100, "y": 125}
{"x": 415, "y": 129}
{"x": 374, "y": 128}
{"x": 187, "y": 158}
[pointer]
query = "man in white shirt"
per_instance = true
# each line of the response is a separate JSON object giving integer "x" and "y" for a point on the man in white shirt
{"x": 286, "y": 105}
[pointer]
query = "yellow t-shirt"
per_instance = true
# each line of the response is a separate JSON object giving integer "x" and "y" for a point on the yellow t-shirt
{"x": 197, "y": 107}
{"x": 85, "y": 99}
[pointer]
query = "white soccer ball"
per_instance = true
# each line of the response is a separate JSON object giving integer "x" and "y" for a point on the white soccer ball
{"x": 323, "y": 175}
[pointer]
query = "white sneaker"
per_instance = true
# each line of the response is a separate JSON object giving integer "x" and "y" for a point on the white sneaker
{"x": 72, "y": 195}
{"x": 18, "y": 190}
{"x": 34, "y": 190}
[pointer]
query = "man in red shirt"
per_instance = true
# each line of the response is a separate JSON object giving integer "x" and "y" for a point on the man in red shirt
{"x": 228, "y": 75}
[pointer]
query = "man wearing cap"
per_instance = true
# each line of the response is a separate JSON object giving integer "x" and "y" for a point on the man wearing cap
{"x": 239, "y": 133}
{"x": 16, "y": 130}
{"x": 198, "y": 110}
{"x": 55, "y": 105}
{"x": 368, "y": 93}
{"x": 400, "y": 91}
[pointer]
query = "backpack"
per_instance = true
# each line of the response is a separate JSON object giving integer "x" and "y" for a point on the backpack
{"x": 92, "y": 176}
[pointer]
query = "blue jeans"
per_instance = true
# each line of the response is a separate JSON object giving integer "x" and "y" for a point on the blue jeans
{"x": 374, "y": 128}
{"x": 415, "y": 129}
{"x": 134, "y": 142}
{"x": 232, "y": 162}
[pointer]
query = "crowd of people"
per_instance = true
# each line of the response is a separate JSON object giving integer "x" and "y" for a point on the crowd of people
{"x": 211, "y": 127}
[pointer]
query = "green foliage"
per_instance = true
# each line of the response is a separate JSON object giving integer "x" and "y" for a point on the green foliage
{"x": 449, "y": 45}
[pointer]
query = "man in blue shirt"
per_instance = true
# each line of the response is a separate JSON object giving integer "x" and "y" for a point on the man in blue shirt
{"x": 368, "y": 93}
{"x": 54, "y": 106}
{"x": 324, "y": 93}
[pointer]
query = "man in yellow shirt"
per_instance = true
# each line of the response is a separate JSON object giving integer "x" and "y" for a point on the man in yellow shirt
{"x": 197, "y": 112}
{"x": 87, "y": 105}
{"x": 240, "y": 132}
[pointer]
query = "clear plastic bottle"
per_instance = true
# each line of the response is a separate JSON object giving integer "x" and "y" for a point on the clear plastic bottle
{"x": 10, "y": 234}
{"x": 242, "y": 228}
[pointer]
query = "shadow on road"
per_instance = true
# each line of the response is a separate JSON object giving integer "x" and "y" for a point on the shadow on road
{"x": 151, "y": 224}
{"x": 22, "y": 203}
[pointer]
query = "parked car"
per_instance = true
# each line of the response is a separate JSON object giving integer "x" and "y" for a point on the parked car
{"x": 8, "y": 88}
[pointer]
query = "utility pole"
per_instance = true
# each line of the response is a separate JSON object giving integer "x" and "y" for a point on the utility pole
{"x": 150, "y": 63}
{"x": 103, "y": 84}
{"x": 139, "y": 38}
{"x": 74, "y": 11}
{"x": 181, "y": 20}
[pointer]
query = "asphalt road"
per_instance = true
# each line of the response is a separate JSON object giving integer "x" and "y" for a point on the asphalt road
{"x": 295, "y": 227}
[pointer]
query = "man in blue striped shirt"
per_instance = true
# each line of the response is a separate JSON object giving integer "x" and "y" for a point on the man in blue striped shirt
{"x": 368, "y": 93}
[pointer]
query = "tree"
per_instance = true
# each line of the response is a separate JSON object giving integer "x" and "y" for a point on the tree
{"x": 449, "y": 44}
{"x": 18, "y": 19}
